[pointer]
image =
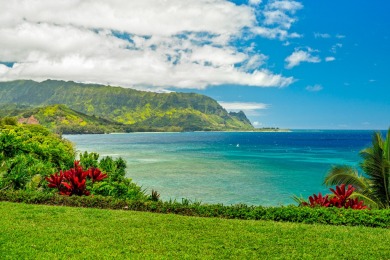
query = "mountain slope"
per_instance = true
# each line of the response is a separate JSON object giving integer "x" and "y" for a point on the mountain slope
{"x": 141, "y": 110}
{"x": 62, "y": 119}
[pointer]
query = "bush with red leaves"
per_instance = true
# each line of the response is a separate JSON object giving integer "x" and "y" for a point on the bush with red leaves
{"x": 340, "y": 199}
{"x": 74, "y": 180}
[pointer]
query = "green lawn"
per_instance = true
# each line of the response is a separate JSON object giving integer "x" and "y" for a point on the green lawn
{"x": 48, "y": 232}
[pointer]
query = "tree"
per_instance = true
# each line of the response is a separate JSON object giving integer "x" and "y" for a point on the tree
{"x": 374, "y": 185}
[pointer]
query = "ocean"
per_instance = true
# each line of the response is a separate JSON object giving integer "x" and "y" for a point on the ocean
{"x": 255, "y": 168}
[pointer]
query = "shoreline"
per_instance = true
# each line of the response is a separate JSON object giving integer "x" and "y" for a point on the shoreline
{"x": 160, "y": 132}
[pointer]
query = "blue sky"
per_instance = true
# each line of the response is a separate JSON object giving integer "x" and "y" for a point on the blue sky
{"x": 289, "y": 64}
{"x": 353, "y": 90}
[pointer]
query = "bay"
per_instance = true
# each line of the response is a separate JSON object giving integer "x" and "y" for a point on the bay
{"x": 254, "y": 168}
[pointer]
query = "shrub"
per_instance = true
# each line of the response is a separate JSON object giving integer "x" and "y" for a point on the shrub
{"x": 27, "y": 151}
{"x": 74, "y": 180}
{"x": 308, "y": 215}
{"x": 340, "y": 199}
{"x": 116, "y": 184}
{"x": 155, "y": 196}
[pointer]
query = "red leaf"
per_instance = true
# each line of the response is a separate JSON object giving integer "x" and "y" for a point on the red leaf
{"x": 74, "y": 180}
{"x": 55, "y": 180}
{"x": 341, "y": 195}
{"x": 96, "y": 175}
{"x": 318, "y": 201}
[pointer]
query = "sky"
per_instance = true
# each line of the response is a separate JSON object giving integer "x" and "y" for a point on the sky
{"x": 288, "y": 64}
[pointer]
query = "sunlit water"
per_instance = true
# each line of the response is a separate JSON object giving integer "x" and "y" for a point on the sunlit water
{"x": 229, "y": 168}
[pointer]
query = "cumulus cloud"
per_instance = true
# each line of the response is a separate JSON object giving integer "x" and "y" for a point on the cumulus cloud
{"x": 277, "y": 18}
{"x": 143, "y": 44}
{"x": 314, "y": 88}
{"x": 146, "y": 17}
{"x": 299, "y": 56}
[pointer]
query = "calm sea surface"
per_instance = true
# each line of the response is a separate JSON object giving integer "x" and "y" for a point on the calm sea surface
{"x": 229, "y": 168}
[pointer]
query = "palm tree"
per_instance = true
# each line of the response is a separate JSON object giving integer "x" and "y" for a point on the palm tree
{"x": 374, "y": 185}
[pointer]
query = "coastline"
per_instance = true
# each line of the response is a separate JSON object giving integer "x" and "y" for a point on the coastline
{"x": 168, "y": 132}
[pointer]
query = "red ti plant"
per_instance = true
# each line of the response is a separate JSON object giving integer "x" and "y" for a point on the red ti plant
{"x": 95, "y": 174}
{"x": 341, "y": 199}
{"x": 55, "y": 180}
{"x": 77, "y": 180}
{"x": 341, "y": 195}
{"x": 355, "y": 204}
{"x": 317, "y": 201}
{"x": 74, "y": 180}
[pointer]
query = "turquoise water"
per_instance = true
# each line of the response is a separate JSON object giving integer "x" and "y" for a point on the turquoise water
{"x": 229, "y": 168}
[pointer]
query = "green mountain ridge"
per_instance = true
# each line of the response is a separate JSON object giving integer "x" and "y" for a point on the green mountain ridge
{"x": 123, "y": 109}
{"x": 61, "y": 119}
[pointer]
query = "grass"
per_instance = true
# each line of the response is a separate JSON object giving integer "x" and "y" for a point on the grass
{"x": 48, "y": 232}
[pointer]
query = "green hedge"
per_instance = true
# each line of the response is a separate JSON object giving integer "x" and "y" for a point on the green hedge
{"x": 332, "y": 216}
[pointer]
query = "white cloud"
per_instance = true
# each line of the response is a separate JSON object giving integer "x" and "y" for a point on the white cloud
{"x": 244, "y": 106}
{"x": 256, "y": 124}
{"x": 299, "y": 56}
{"x": 215, "y": 56}
{"x": 340, "y": 36}
{"x": 314, "y": 88}
{"x": 328, "y": 59}
{"x": 290, "y": 6}
{"x": 255, "y": 61}
{"x": 278, "y": 17}
{"x": 3, "y": 69}
{"x": 322, "y": 35}
{"x": 254, "y": 2}
{"x": 143, "y": 44}
{"x": 278, "y": 13}
{"x": 146, "y": 17}
{"x": 274, "y": 33}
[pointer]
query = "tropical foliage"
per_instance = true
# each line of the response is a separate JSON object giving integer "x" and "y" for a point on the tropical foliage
{"x": 116, "y": 184}
{"x": 143, "y": 111}
{"x": 33, "y": 158}
{"x": 30, "y": 153}
{"x": 373, "y": 186}
{"x": 74, "y": 180}
{"x": 340, "y": 199}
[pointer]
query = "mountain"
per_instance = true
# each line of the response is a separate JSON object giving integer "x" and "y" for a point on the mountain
{"x": 61, "y": 119}
{"x": 139, "y": 110}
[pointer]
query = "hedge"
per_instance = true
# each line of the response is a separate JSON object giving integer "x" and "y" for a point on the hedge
{"x": 320, "y": 215}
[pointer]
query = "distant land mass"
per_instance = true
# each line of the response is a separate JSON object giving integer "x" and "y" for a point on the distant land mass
{"x": 61, "y": 119}
{"x": 70, "y": 107}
